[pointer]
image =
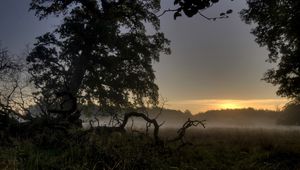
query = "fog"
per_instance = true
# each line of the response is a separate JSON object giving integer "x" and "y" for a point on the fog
{"x": 227, "y": 119}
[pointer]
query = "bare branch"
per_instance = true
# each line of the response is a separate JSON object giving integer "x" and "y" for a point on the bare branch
{"x": 146, "y": 118}
{"x": 167, "y": 10}
{"x": 212, "y": 18}
{"x": 188, "y": 124}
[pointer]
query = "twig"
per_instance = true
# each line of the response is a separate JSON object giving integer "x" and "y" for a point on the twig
{"x": 165, "y": 11}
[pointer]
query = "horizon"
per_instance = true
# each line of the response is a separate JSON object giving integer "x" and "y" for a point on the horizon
{"x": 202, "y": 106}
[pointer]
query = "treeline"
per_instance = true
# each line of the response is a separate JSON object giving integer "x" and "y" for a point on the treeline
{"x": 233, "y": 117}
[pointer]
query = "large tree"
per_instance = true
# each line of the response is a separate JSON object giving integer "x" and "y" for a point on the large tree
{"x": 101, "y": 53}
{"x": 278, "y": 28}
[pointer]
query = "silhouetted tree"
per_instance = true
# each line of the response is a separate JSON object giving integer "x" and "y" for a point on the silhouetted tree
{"x": 278, "y": 28}
{"x": 188, "y": 112}
{"x": 290, "y": 114}
{"x": 101, "y": 53}
{"x": 11, "y": 95}
{"x": 5, "y": 65}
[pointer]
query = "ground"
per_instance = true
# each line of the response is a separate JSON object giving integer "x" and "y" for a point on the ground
{"x": 210, "y": 148}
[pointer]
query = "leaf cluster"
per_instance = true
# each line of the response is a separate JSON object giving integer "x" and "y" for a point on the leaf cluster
{"x": 193, "y": 7}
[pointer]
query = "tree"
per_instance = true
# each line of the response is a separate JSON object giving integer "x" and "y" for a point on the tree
{"x": 11, "y": 94}
{"x": 188, "y": 112}
{"x": 101, "y": 53}
{"x": 278, "y": 28}
{"x": 102, "y": 50}
{"x": 290, "y": 114}
{"x": 5, "y": 65}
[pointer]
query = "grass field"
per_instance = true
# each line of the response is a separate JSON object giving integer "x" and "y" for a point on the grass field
{"x": 212, "y": 148}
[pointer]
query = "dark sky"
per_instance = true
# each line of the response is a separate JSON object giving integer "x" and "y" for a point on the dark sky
{"x": 19, "y": 27}
{"x": 210, "y": 61}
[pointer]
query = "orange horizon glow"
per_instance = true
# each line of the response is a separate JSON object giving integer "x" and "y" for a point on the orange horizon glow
{"x": 196, "y": 106}
{"x": 229, "y": 106}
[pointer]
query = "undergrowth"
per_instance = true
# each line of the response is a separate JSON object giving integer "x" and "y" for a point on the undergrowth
{"x": 210, "y": 149}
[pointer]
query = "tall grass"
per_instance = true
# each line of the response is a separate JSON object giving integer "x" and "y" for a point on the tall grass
{"x": 212, "y": 148}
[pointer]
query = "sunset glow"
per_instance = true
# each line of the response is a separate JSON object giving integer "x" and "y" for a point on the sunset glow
{"x": 229, "y": 106}
{"x": 196, "y": 106}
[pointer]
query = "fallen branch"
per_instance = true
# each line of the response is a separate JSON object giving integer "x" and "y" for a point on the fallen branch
{"x": 188, "y": 124}
{"x": 147, "y": 119}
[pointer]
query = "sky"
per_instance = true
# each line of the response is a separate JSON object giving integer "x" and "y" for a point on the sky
{"x": 213, "y": 65}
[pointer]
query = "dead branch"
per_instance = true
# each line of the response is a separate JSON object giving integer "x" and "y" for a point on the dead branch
{"x": 181, "y": 132}
{"x": 147, "y": 119}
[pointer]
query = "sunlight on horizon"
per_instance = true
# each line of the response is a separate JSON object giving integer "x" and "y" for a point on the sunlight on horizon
{"x": 196, "y": 106}
{"x": 229, "y": 106}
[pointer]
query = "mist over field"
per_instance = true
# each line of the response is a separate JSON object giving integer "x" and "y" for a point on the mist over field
{"x": 247, "y": 118}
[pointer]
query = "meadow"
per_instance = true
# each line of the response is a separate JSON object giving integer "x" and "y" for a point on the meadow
{"x": 210, "y": 148}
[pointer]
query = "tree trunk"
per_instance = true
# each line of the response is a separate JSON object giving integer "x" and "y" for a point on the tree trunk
{"x": 78, "y": 71}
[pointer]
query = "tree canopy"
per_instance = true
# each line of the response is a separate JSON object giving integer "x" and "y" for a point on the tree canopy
{"x": 101, "y": 53}
{"x": 278, "y": 28}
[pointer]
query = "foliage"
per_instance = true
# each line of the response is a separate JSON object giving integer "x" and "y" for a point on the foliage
{"x": 278, "y": 29}
{"x": 101, "y": 53}
{"x": 290, "y": 114}
{"x": 193, "y": 7}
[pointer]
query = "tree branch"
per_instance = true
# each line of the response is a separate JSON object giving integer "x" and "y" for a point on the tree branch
{"x": 167, "y": 10}
{"x": 141, "y": 115}
{"x": 188, "y": 124}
